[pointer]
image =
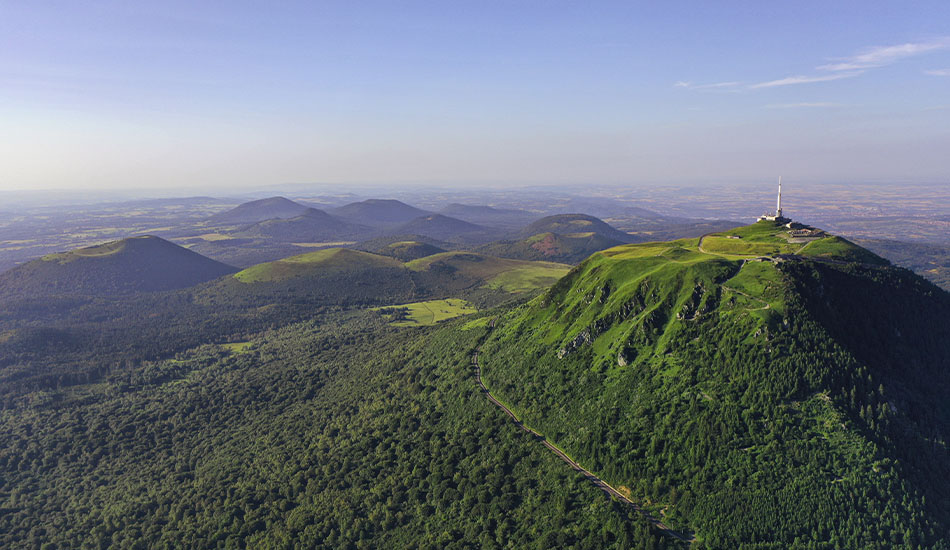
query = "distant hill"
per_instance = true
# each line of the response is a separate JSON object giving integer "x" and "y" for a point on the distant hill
{"x": 311, "y": 226}
{"x": 570, "y": 248}
{"x": 378, "y": 212}
{"x": 385, "y": 244}
{"x": 602, "y": 208}
{"x": 489, "y": 216}
{"x": 441, "y": 227}
{"x": 131, "y": 265}
{"x": 409, "y": 250}
{"x": 260, "y": 210}
{"x": 577, "y": 225}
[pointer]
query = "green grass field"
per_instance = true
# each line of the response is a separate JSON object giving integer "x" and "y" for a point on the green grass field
{"x": 237, "y": 347}
{"x": 430, "y": 312}
{"x": 744, "y": 247}
{"x": 524, "y": 279}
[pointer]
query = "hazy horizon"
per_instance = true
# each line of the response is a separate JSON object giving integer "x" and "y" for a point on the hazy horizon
{"x": 237, "y": 95}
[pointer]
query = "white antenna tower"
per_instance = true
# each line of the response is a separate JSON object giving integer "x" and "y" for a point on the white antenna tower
{"x": 778, "y": 205}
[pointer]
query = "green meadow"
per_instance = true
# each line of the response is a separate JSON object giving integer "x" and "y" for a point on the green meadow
{"x": 430, "y": 312}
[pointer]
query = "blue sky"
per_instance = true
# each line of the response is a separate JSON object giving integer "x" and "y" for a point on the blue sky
{"x": 239, "y": 94}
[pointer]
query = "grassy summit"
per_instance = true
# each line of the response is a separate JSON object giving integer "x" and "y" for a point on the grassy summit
{"x": 767, "y": 238}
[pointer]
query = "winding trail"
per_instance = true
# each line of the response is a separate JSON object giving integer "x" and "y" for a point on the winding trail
{"x": 699, "y": 245}
{"x": 600, "y": 483}
{"x": 749, "y": 296}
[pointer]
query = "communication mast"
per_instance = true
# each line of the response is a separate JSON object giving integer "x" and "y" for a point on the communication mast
{"x": 777, "y": 216}
{"x": 778, "y": 206}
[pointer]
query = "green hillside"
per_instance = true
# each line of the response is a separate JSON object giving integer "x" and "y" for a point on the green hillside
{"x": 330, "y": 261}
{"x": 788, "y": 402}
{"x": 467, "y": 270}
{"x": 136, "y": 264}
{"x": 349, "y": 277}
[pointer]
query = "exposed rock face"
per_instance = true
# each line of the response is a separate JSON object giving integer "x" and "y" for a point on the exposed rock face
{"x": 584, "y": 337}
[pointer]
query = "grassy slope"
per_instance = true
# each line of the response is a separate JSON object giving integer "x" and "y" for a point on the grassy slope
{"x": 509, "y": 275}
{"x": 348, "y": 278}
{"x": 692, "y": 378}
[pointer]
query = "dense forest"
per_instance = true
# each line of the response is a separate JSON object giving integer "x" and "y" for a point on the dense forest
{"x": 337, "y": 432}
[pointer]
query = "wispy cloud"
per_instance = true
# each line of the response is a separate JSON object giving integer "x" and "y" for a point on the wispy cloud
{"x": 801, "y": 79}
{"x": 818, "y": 104}
{"x": 870, "y": 58}
{"x": 879, "y": 56}
{"x": 714, "y": 86}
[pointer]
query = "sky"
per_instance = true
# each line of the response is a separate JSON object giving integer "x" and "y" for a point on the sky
{"x": 236, "y": 94}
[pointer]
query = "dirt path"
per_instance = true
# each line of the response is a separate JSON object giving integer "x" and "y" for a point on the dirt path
{"x": 601, "y": 484}
{"x": 699, "y": 245}
{"x": 749, "y": 296}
